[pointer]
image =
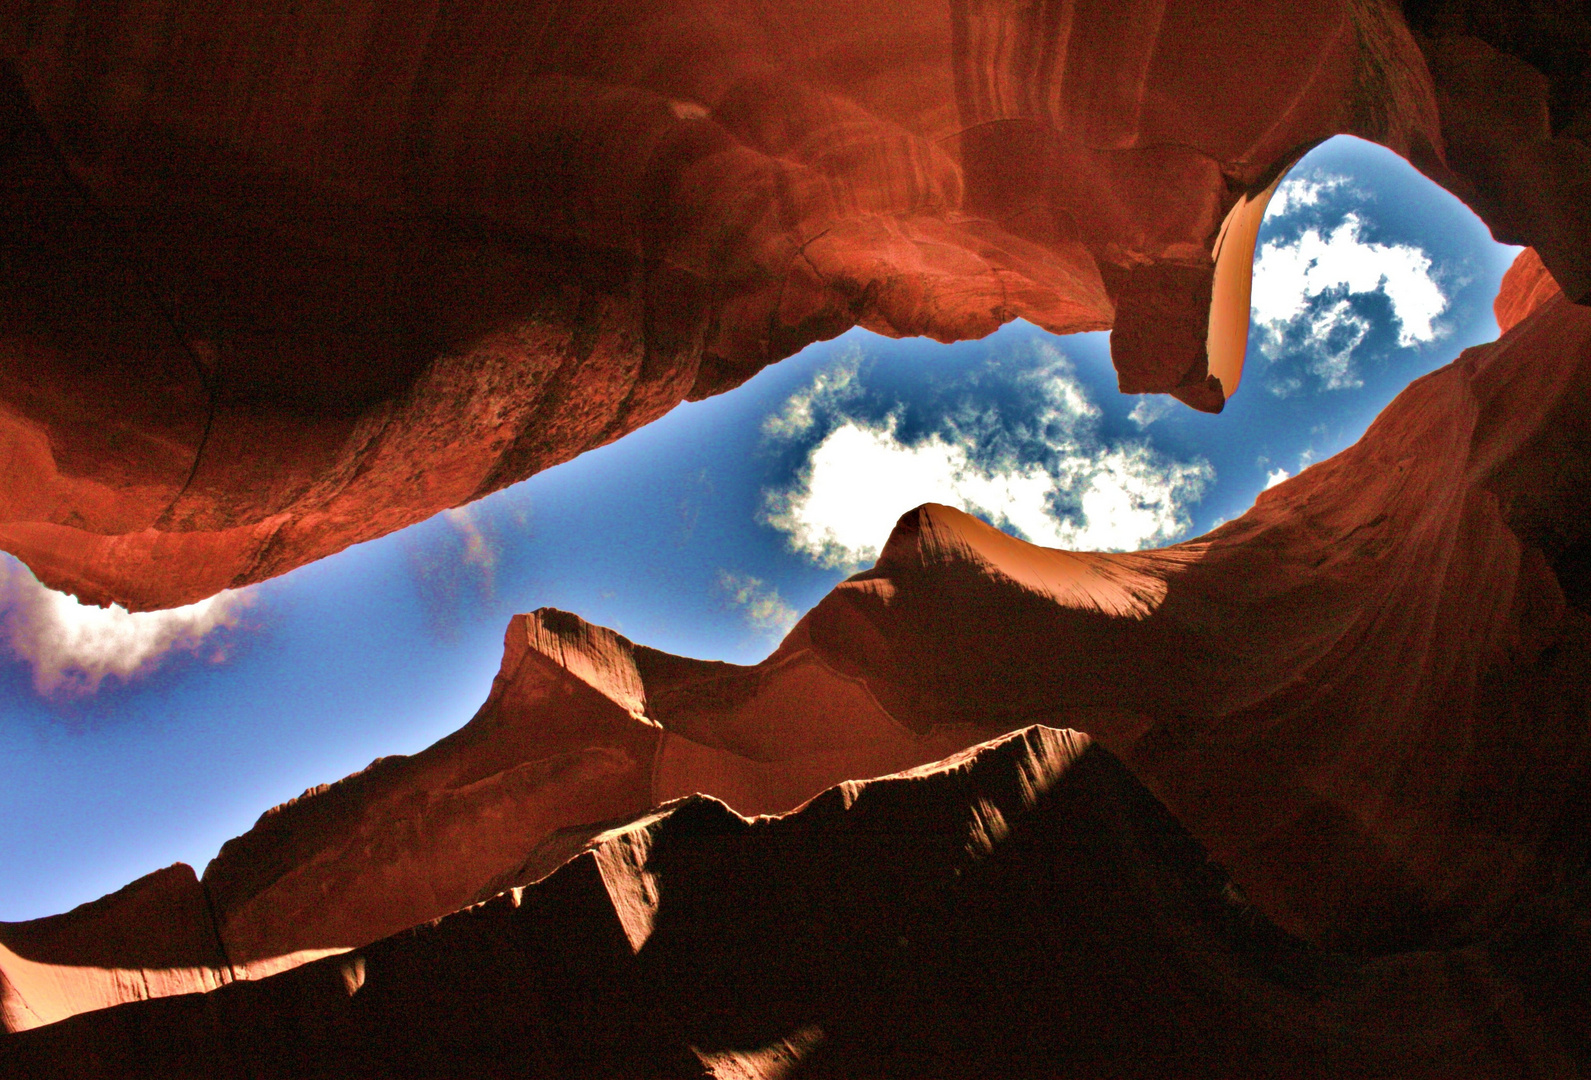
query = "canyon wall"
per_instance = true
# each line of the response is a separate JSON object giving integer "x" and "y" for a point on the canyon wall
{"x": 280, "y": 279}
{"x": 277, "y": 281}
{"x": 154, "y": 938}
{"x": 1026, "y": 908}
{"x": 1368, "y": 695}
{"x": 1367, "y": 698}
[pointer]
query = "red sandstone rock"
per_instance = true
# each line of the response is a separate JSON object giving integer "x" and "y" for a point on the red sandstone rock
{"x": 1526, "y": 286}
{"x": 279, "y": 280}
{"x": 560, "y": 742}
{"x": 1513, "y": 89}
{"x": 581, "y": 727}
{"x": 1367, "y": 696}
{"x": 153, "y": 938}
{"x": 1026, "y": 908}
{"x": 275, "y": 285}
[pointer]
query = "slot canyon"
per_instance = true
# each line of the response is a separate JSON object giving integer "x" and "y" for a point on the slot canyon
{"x": 1306, "y": 795}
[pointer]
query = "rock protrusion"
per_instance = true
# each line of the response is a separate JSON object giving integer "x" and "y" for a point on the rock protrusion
{"x": 273, "y": 291}
{"x": 153, "y": 938}
{"x": 1367, "y": 696}
{"x": 1526, "y": 286}
{"x": 1025, "y": 908}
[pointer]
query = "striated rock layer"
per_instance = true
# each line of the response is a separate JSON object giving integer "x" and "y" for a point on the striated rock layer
{"x": 1026, "y": 908}
{"x": 1368, "y": 697}
{"x": 154, "y": 938}
{"x": 1525, "y": 287}
{"x": 281, "y": 278}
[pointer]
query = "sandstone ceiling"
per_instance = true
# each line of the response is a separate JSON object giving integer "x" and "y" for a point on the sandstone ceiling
{"x": 280, "y": 280}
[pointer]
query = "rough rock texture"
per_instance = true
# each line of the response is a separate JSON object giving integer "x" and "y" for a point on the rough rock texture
{"x": 281, "y": 278}
{"x": 1525, "y": 287}
{"x": 153, "y": 938}
{"x": 581, "y": 726}
{"x": 1024, "y": 909}
{"x": 277, "y": 280}
{"x": 1369, "y": 696}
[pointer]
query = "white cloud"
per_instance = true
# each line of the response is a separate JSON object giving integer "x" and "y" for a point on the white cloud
{"x": 1274, "y": 477}
{"x": 764, "y": 609}
{"x": 1287, "y": 276}
{"x": 1335, "y": 332}
{"x": 1066, "y": 403}
{"x": 1301, "y": 290}
{"x": 1297, "y": 192}
{"x": 861, "y": 477}
{"x": 72, "y": 647}
{"x": 1129, "y": 500}
{"x": 1150, "y": 407}
{"x": 828, "y": 388}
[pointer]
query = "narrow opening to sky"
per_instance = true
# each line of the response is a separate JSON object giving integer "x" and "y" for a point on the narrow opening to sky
{"x": 130, "y": 742}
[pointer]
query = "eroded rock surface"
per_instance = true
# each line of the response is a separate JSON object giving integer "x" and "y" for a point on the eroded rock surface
{"x": 1026, "y": 908}
{"x": 1368, "y": 697}
{"x": 1525, "y": 287}
{"x": 281, "y": 278}
{"x": 276, "y": 282}
{"x": 153, "y": 938}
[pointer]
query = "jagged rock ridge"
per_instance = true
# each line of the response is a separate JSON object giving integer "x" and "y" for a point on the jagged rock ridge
{"x": 1024, "y": 908}
{"x": 278, "y": 282}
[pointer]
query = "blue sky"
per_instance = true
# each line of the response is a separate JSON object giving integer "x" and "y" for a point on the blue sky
{"x": 130, "y": 742}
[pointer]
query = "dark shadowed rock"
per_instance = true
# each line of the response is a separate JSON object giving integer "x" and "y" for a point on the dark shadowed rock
{"x": 1025, "y": 908}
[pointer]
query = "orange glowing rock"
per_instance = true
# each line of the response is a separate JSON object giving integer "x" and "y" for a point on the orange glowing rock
{"x": 272, "y": 290}
{"x": 1526, "y": 286}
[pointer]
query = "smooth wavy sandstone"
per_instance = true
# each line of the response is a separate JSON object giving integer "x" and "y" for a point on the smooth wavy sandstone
{"x": 1368, "y": 697}
{"x": 1026, "y": 908}
{"x": 276, "y": 283}
{"x": 280, "y": 278}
